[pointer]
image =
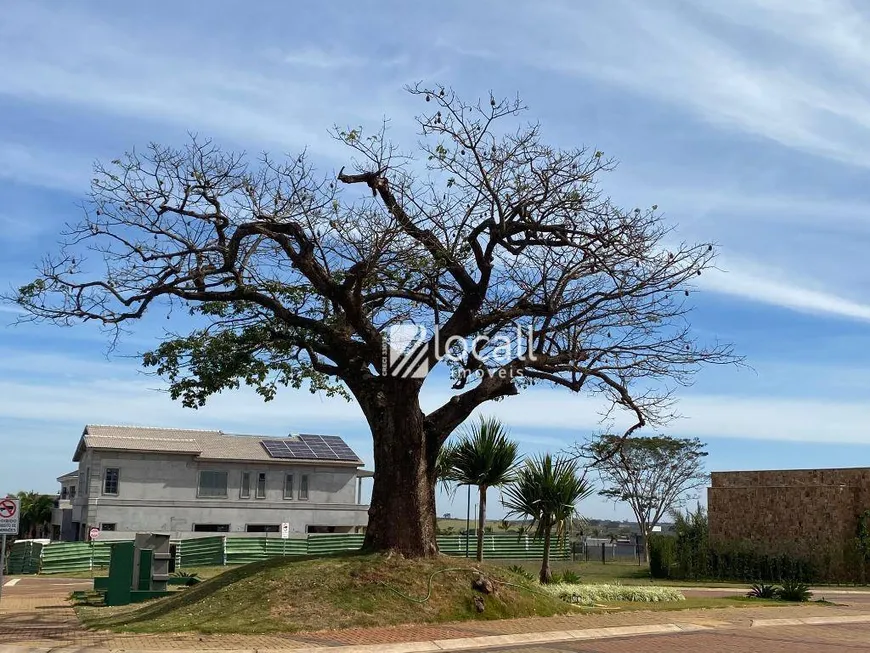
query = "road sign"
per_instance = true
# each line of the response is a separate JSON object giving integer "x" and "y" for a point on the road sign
{"x": 9, "y": 515}
{"x": 94, "y": 533}
{"x": 285, "y": 531}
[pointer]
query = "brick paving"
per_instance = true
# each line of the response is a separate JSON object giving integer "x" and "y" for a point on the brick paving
{"x": 40, "y": 616}
{"x": 844, "y": 638}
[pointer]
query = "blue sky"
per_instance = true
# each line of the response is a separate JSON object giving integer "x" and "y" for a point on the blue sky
{"x": 747, "y": 122}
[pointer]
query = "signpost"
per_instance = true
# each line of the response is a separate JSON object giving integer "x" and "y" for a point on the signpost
{"x": 10, "y": 512}
{"x": 285, "y": 535}
{"x": 94, "y": 533}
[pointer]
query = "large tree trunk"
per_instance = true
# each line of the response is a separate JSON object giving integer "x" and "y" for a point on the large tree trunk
{"x": 481, "y": 522}
{"x": 402, "y": 514}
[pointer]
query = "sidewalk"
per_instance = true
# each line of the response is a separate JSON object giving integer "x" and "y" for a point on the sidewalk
{"x": 46, "y": 623}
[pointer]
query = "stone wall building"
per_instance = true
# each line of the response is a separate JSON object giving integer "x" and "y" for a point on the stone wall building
{"x": 811, "y": 513}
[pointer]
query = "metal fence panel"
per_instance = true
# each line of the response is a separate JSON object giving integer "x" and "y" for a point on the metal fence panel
{"x": 200, "y": 552}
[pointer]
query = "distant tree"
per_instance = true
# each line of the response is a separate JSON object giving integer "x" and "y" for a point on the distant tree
{"x": 485, "y": 457}
{"x": 547, "y": 490}
{"x": 475, "y": 233}
{"x": 653, "y": 475}
{"x": 36, "y": 510}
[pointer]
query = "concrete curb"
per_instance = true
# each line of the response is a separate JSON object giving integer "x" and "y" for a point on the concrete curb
{"x": 484, "y": 642}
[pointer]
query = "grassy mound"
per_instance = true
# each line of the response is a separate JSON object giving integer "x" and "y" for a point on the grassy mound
{"x": 342, "y": 591}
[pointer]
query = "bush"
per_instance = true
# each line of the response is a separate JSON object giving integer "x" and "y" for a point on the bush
{"x": 661, "y": 555}
{"x": 763, "y": 591}
{"x": 794, "y": 591}
{"x": 591, "y": 594}
{"x": 691, "y": 556}
{"x": 192, "y": 578}
{"x": 522, "y": 571}
{"x": 555, "y": 578}
{"x": 570, "y": 577}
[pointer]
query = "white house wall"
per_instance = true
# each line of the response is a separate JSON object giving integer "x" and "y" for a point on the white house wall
{"x": 158, "y": 492}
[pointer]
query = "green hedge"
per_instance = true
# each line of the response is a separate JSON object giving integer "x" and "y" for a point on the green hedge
{"x": 734, "y": 561}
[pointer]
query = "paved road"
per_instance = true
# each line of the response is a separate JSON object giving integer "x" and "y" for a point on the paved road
{"x": 19, "y": 587}
{"x": 841, "y": 638}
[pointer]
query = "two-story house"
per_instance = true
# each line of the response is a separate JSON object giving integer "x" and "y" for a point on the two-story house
{"x": 62, "y": 527}
{"x": 135, "y": 479}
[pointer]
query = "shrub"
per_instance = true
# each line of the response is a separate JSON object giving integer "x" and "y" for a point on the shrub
{"x": 763, "y": 591}
{"x": 555, "y": 578}
{"x": 661, "y": 555}
{"x": 570, "y": 577}
{"x": 591, "y": 594}
{"x": 794, "y": 591}
{"x": 522, "y": 571}
{"x": 192, "y": 577}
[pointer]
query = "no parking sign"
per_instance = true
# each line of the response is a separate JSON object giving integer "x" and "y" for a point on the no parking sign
{"x": 10, "y": 510}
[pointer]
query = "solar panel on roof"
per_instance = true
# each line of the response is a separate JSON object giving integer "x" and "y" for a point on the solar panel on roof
{"x": 310, "y": 447}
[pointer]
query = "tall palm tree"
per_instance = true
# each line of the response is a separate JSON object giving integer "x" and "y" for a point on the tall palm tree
{"x": 547, "y": 490}
{"x": 484, "y": 456}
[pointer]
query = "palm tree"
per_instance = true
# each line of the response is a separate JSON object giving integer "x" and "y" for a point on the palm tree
{"x": 547, "y": 490}
{"x": 486, "y": 457}
{"x": 36, "y": 512}
{"x": 444, "y": 473}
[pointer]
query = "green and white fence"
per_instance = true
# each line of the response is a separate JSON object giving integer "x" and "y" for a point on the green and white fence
{"x": 68, "y": 557}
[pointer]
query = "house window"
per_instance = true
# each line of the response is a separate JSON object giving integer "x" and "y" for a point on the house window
{"x": 303, "y": 487}
{"x": 212, "y": 484}
{"x": 245, "y": 488}
{"x": 263, "y": 528}
{"x": 110, "y": 480}
{"x": 87, "y": 480}
{"x": 211, "y": 528}
{"x": 63, "y": 494}
{"x": 261, "y": 485}
{"x": 288, "y": 486}
{"x": 72, "y": 492}
{"x": 107, "y": 527}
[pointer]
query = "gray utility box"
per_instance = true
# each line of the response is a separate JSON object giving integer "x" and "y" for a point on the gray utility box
{"x": 151, "y": 558}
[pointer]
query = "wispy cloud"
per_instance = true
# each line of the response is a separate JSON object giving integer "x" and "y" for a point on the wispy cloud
{"x": 770, "y": 286}
{"x": 681, "y": 56}
{"x": 91, "y": 391}
{"x": 35, "y": 165}
{"x": 85, "y": 61}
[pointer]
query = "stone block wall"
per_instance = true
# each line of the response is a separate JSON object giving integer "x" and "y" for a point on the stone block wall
{"x": 812, "y": 514}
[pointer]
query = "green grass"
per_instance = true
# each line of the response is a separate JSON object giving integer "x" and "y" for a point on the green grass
{"x": 340, "y": 591}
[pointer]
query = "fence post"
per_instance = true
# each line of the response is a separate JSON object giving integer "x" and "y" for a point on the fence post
{"x": 603, "y": 558}
{"x": 224, "y": 551}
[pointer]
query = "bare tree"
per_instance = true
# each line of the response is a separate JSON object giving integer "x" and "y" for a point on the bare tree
{"x": 296, "y": 279}
{"x": 653, "y": 475}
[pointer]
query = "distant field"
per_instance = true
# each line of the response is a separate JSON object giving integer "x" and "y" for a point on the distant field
{"x": 458, "y": 524}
